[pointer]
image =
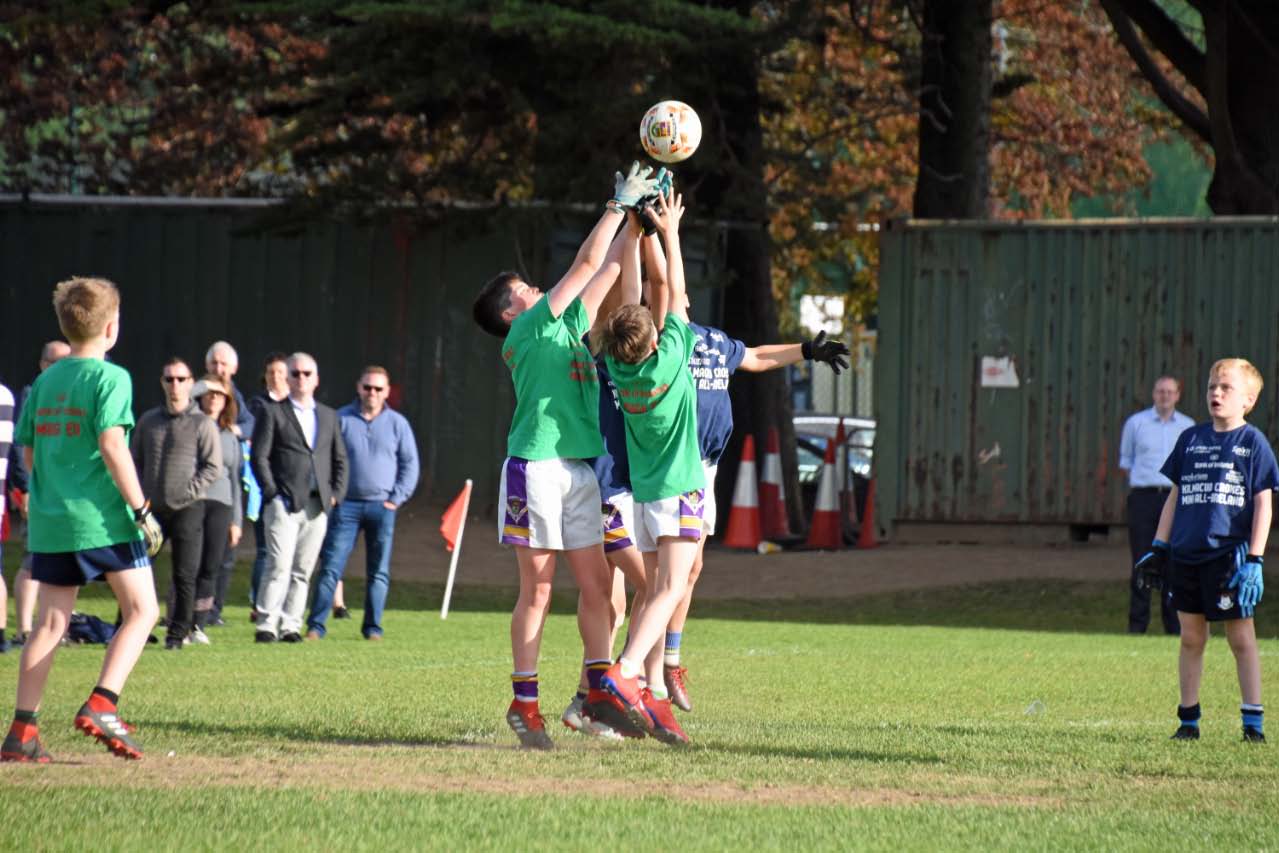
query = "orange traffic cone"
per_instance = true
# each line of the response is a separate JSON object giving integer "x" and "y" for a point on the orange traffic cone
{"x": 825, "y": 530}
{"x": 867, "y": 538}
{"x": 772, "y": 494}
{"x": 743, "y": 518}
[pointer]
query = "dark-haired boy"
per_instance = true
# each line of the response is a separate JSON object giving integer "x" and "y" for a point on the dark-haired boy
{"x": 549, "y": 497}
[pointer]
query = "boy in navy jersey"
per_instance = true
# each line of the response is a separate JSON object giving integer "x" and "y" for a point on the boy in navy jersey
{"x": 1213, "y": 529}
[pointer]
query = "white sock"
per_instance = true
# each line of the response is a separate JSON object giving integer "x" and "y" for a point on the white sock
{"x": 630, "y": 669}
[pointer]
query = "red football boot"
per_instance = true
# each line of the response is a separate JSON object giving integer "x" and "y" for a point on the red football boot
{"x": 676, "y": 678}
{"x": 665, "y": 727}
{"x": 527, "y": 723}
{"x": 22, "y": 743}
{"x": 99, "y": 719}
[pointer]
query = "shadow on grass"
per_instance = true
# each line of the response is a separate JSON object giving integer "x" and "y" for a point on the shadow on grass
{"x": 816, "y": 754}
{"x": 280, "y": 731}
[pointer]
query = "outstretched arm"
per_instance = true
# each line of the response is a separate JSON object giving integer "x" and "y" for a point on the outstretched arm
{"x": 770, "y": 357}
{"x": 627, "y": 191}
{"x": 590, "y": 258}
{"x": 655, "y": 264}
{"x": 670, "y": 209}
{"x": 603, "y": 281}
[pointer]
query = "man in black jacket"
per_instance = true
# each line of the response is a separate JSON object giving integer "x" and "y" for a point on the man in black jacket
{"x": 299, "y": 459}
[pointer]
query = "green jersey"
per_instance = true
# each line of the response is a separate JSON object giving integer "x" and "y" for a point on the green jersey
{"x": 659, "y": 406}
{"x": 557, "y": 389}
{"x": 74, "y": 504}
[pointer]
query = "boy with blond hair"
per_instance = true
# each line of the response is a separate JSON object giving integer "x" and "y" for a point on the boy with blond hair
{"x": 649, "y": 366}
{"x": 1213, "y": 531}
{"x": 87, "y": 517}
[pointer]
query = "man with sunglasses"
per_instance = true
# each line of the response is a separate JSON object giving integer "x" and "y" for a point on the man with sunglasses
{"x": 382, "y": 455}
{"x": 299, "y": 459}
{"x": 178, "y": 454}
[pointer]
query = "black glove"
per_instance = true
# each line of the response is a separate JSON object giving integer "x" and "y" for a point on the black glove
{"x": 1150, "y": 568}
{"x": 644, "y": 210}
{"x": 831, "y": 351}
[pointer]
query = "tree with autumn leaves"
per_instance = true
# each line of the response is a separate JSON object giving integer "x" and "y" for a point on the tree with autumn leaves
{"x": 812, "y": 113}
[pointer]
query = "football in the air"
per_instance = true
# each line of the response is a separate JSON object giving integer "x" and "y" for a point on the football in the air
{"x": 670, "y": 131}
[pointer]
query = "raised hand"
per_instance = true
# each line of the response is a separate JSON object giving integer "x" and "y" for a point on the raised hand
{"x": 829, "y": 350}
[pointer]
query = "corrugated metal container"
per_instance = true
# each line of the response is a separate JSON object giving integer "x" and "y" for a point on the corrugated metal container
{"x": 1086, "y": 315}
{"x": 351, "y": 294}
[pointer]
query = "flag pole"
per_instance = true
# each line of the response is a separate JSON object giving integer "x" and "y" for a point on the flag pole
{"x": 457, "y": 549}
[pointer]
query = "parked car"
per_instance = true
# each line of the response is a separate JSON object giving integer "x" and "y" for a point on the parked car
{"x": 812, "y": 433}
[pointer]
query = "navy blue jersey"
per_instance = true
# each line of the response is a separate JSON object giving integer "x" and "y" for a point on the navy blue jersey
{"x": 1216, "y": 475}
{"x": 612, "y": 470}
{"x": 715, "y": 357}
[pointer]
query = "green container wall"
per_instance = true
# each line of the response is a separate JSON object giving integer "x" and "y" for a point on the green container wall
{"x": 349, "y": 294}
{"x": 1091, "y": 312}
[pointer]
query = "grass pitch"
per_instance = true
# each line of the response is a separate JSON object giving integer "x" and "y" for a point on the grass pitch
{"x": 1003, "y": 716}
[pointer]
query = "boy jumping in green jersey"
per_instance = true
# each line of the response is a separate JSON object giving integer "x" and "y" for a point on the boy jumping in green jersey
{"x": 649, "y": 366}
{"x": 87, "y": 517}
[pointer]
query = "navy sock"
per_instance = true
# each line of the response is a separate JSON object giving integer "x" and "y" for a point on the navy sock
{"x": 1189, "y": 716}
{"x": 28, "y": 717}
{"x": 1252, "y": 716}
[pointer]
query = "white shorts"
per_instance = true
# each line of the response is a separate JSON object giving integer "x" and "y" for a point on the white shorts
{"x": 619, "y": 522}
{"x": 680, "y": 516}
{"x": 549, "y": 503}
{"x": 709, "y": 514}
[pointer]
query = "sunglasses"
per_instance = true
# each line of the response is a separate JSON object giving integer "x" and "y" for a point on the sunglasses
{"x": 298, "y": 374}
{"x": 371, "y": 388}
{"x": 169, "y": 380}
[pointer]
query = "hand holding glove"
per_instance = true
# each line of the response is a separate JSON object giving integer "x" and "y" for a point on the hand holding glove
{"x": 146, "y": 521}
{"x": 1150, "y": 568}
{"x": 635, "y": 185}
{"x": 833, "y": 352}
{"x": 1250, "y": 584}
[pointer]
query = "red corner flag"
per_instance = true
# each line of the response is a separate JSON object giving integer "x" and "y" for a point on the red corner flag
{"x": 451, "y": 528}
{"x": 455, "y": 517}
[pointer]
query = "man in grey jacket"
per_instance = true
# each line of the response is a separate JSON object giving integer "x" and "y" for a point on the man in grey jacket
{"x": 178, "y": 456}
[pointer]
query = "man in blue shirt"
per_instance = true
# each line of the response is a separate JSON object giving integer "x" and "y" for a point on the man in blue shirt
{"x": 382, "y": 457}
{"x": 1148, "y": 437}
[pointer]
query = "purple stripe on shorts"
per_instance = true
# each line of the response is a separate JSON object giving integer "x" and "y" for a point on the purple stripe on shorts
{"x": 616, "y": 536}
{"x": 515, "y": 513}
{"x": 690, "y": 514}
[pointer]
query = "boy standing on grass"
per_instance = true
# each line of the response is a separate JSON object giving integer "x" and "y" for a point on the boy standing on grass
{"x": 549, "y": 497}
{"x": 87, "y": 516}
{"x": 659, "y": 405}
{"x": 1213, "y": 529}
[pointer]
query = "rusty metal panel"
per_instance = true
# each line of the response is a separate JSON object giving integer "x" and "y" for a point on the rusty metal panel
{"x": 1088, "y": 314}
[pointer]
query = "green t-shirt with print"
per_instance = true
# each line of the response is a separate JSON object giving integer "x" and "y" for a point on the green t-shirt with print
{"x": 74, "y": 504}
{"x": 557, "y": 389}
{"x": 659, "y": 408}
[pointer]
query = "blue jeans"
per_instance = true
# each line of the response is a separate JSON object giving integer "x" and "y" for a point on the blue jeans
{"x": 345, "y": 523}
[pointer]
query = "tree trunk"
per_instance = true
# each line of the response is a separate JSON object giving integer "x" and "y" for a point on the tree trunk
{"x": 737, "y": 193}
{"x": 954, "y": 110}
{"x": 1242, "y": 66}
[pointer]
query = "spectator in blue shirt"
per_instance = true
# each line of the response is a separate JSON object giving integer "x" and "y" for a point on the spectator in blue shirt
{"x": 1148, "y": 437}
{"x": 382, "y": 458}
